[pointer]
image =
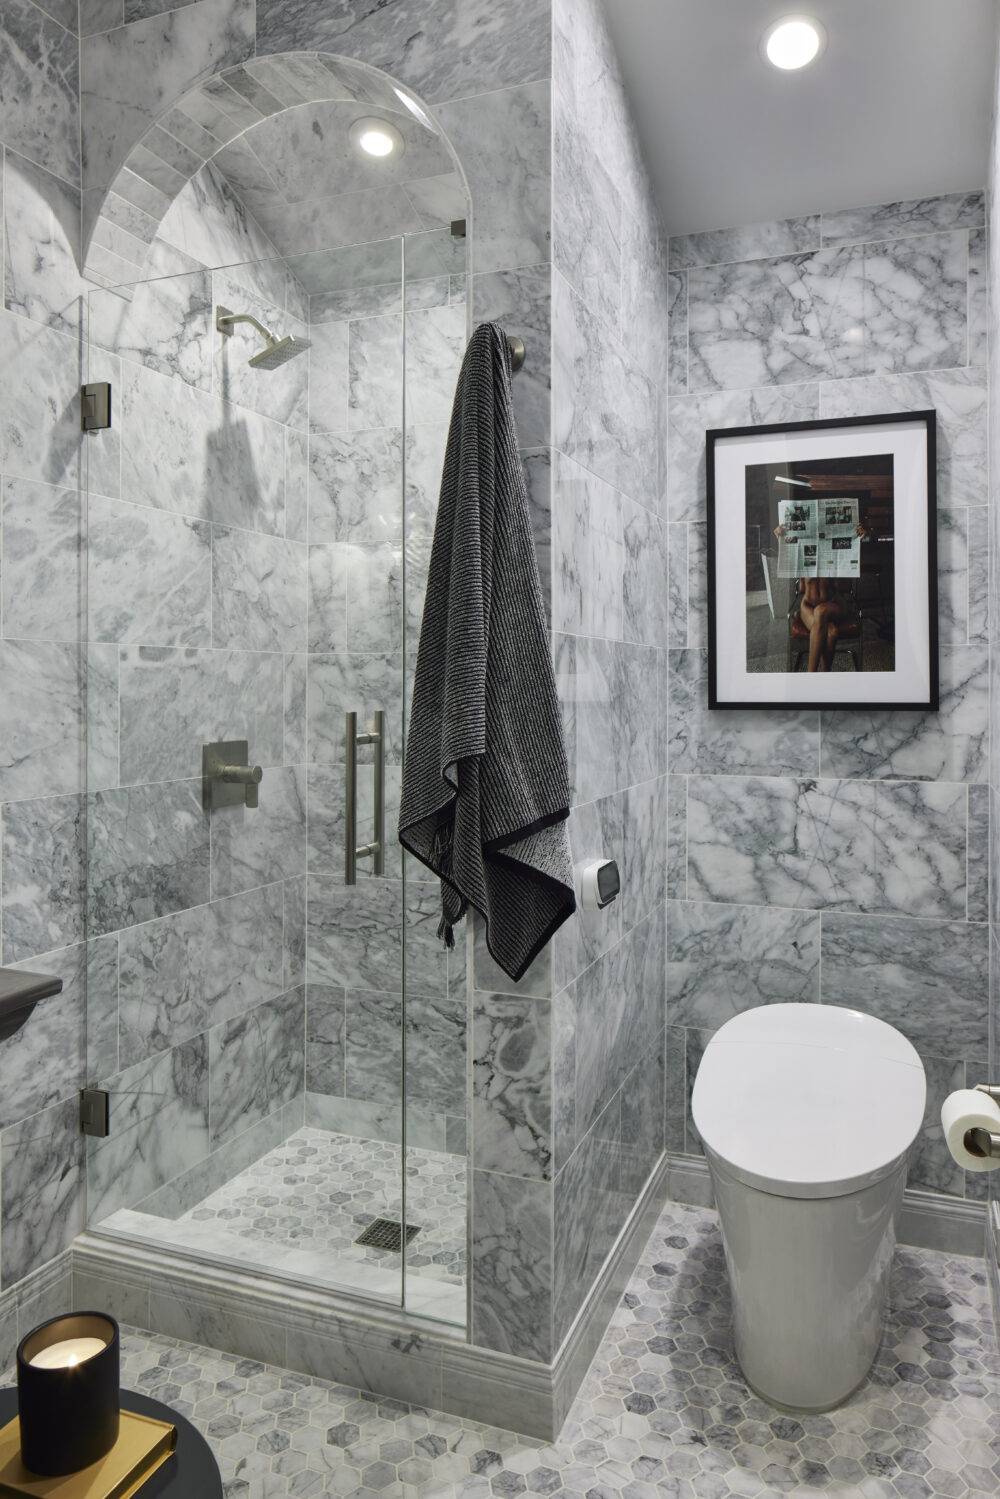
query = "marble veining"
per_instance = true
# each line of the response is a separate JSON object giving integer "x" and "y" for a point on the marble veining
{"x": 42, "y": 1165}
{"x": 39, "y": 411}
{"x": 45, "y": 1058}
{"x": 258, "y": 592}
{"x": 914, "y": 216}
{"x": 749, "y": 242}
{"x": 915, "y": 313}
{"x": 256, "y": 1064}
{"x": 722, "y": 959}
{"x": 42, "y": 567}
{"x": 42, "y": 875}
{"x": 149, "y": 575}
{"x": 512, "y": 1265}
{"x": 39, "y": 90}
{"x": 40, "y": 690}
{"x": 41, "y": 245}
{"x": 511, "y": 1086}
{"x": 148, "y": 853}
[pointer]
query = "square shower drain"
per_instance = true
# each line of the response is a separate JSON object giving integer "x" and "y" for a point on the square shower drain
{"x": 386, "y": 1233}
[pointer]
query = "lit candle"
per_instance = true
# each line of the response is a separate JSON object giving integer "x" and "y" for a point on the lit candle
{"x": 67, "y": 1354}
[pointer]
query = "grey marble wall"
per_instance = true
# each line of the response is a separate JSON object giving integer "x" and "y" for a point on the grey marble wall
{"x": 42, "y": 663}
{"x": 568, "y": 1067}
{"x": 993, "y": 792}
{"x": 838, "y": 857}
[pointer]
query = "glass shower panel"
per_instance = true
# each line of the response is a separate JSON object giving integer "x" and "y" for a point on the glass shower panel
{"x": 436, "y": 318}
{"x": 245, "y": 596}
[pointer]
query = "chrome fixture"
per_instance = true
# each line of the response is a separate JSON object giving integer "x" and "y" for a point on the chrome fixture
{"x": 984, "y": 1142}
{"x": 227, "y": 779}
{"x": 376, "y": 849}
{"x": 278, "y": 350}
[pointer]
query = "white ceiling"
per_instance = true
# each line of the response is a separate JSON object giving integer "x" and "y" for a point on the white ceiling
{"x": 898, "y": 105}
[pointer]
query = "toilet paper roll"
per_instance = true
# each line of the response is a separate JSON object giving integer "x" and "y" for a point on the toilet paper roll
{"x": 964, "y": 1110}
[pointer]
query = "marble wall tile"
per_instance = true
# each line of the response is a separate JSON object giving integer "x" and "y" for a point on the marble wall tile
{"x": 42, "y": 875}
{"x": 979, "y": 298}
{"x": 589, "y": 1207}
{"x": 979, "y": 590}
{"x": 43, "y": 574}
{"x": 913, "y": 216}
{"x": 927, "y": 978}
{"x": 185, "y": 452}
{"x": 677, "y": 837}
{"x": 41, "y": 245}
{"x": 254, "y": 846}
{"x": 256, "y": 1064}
{"x": 748, "y": 242}
{"x": 588, "y": 546}
{"x": 375, "y": 372}
{"x": 296, "y": 485}
{"x": 642, "y": 1122}
{"x": 159, "y": 1128}
{"x": 765, "y": 841}
{"x": 644, "y": 619}
{"x": 282, "y": 393}
{"x": 373, "y": 1045}
{"x": 915, "y": 303}
{"x": 521, "y": 301}
{"x": 175, "y": 701}
{"x": 691, "y": 416}
{"x": 435, "y": 344}
{"x": 619, "y": 1012}
{"x": 328, "y": 376}
{"x": 595, "y": 829}
{"x": 147, "y": 852}
{"x": 198, "y": 968}
{"x": 502, "y": 141}
{"x": 123, "y": 97}
{"x": 921, "y": 848}
{"x": 637, "y": 713}
{"x": 355, "y": 487}
{"x": 149, "y": 575}
{"x": 586, "y": 216}
{"x": 325, "y": 1039}
{"x": 436, "y": 1025}
{"x": 645, "y": 296}
{"x": 950, "y": 745}
{"x": 342, "y": 683}
{"x": 645, "y": 849}
{"x": 166, "y": 323}
{"x": 40, "y": 408}
{"x": 585, "y": 679}
{"x": 777, "y": 742}
{"x": 724, "y": 959}
{"x": 428, "y": 968}
{"x": 782, "y": 321}
{"x": 40, "y": 753}
{"x": 354, "y": 934}
{"x": 978, "y": 882}
{"x": 697, "y": 545}
{"x": 102, "y": 1007}
{"x": 43, "y": 1189}
{"x": 932, "y": 1167}
{"x": 604, "y": 413}
{"x": 677, "y": 586}
{"x": 39, "y": 90}
{"x": 677, "y": 323}
{"x": 294, "y": 936}
{"x": 958, "y": 397}
{"x": 44, "y": 1061}
{"x": 519, "y": 43}
{"x": 258, "y": 592}
{"x": 511, "y": 1086}
{"x": 512, "y": 1265}
{"x": 675, "y": 1089}
{"x": 953, "y": 576}
{"x": 101, "y": 730}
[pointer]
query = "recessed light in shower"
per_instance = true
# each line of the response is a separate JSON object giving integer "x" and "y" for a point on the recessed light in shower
{"x": 793, "y": 42}
{"x": 377, "y": 138}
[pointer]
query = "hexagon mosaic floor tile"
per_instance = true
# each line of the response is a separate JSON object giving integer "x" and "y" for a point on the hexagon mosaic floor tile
{"x": 320, "y": 1190}
{"x": 663, "y": 1410}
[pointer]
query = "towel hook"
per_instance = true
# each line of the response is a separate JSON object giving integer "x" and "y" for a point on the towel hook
{"x": 518, "y": 353}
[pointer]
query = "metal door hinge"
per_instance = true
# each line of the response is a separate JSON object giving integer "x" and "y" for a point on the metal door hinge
{"x": 95, "y": 406}
{"x": 458, "y": 228}
{"x": 94, "y": 1112}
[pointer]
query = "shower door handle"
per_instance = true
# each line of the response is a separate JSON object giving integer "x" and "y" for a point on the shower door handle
{"x": 376, "y": 849}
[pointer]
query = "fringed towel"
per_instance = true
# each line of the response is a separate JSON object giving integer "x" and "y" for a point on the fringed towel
{"x": 485, "y": 793}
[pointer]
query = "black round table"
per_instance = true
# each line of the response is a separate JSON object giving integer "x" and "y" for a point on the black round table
{"x": 190, "y": 1472}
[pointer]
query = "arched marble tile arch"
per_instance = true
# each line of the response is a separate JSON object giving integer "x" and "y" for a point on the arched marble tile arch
{"x": 205, "y": 121}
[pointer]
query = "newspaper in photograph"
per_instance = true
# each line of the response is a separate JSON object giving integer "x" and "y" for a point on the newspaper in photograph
{"x": 819, "y": 539}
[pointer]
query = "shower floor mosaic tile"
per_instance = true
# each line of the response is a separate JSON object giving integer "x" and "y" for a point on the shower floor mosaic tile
{"x": 320, "y": 1190}
{"x": 663, "y": 1410}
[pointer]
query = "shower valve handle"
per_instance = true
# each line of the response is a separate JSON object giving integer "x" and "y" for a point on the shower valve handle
{"x": 227, "y": 779}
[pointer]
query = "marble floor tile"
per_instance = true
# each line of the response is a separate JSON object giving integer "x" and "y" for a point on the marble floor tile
{"x": 660, "y": 1410}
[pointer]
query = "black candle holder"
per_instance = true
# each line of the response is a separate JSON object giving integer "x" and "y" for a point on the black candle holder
{"x": 69, "y": 1414}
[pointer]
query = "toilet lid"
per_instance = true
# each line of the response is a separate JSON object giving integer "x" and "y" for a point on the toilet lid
{"x": 807, "y": 1100}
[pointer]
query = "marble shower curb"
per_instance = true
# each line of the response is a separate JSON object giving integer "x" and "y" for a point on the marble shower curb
{"x": 928, "y": 1220}
{"x": 365, "y": 1345}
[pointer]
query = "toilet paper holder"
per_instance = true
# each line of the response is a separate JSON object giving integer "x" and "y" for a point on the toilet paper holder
{"x": 985, "y": 1142}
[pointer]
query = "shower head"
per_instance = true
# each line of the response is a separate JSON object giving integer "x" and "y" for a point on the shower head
{"x": 277, "y": 351}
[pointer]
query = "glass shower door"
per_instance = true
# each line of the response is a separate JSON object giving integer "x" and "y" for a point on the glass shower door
{"x": 244, "y": 576}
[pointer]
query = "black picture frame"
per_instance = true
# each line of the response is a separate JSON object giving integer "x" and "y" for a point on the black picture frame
{"x": 865, "y": 700}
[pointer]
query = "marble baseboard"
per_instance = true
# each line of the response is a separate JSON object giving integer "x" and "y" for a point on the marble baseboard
{"x": 928, "y": 1220}
{"x": 331, "y": 1336}
{"x": 44, "y": 1293}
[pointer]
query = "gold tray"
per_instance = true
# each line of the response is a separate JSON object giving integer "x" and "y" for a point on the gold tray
{"x": 143, "y": 1445}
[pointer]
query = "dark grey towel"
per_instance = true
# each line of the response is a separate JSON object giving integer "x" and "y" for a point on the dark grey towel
{"x": 485, "y": 784}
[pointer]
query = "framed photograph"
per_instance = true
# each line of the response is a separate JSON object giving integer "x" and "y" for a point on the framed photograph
{"x": 822, "y": 564}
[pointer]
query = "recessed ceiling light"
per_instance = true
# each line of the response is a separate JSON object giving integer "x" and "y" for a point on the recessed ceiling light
{"x": 377, "y": 138}
{"x": 793, "y": 42}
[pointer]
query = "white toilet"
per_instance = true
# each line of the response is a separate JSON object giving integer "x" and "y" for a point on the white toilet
{"x": 807, "y": 1113}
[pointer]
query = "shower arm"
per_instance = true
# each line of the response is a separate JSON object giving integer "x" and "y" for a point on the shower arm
{"x": 226, "y": 321}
